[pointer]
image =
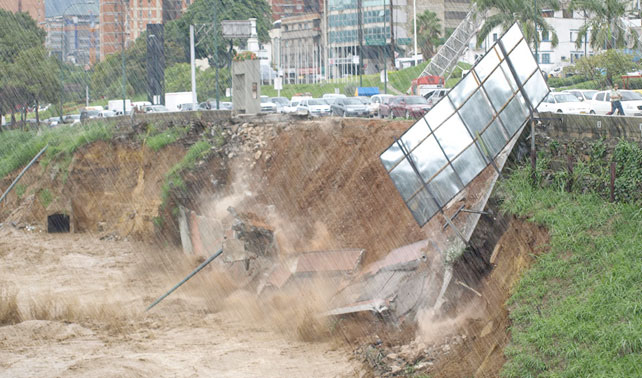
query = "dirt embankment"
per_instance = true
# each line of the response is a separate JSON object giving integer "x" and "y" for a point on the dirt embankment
{"x": 319, "y": 184}
{"x": 108, "y": 189}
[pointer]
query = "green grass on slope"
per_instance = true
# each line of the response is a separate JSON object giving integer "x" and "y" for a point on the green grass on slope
{"x": 578, "y": 311}
{"x": 17, "y": 147}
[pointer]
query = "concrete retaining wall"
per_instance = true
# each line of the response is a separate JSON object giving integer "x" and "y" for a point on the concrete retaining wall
{"x": 591, "y": 127}
{"x": 206, "y": 116}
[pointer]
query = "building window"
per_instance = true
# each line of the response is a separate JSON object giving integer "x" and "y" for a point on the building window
{"x": 494, "y": 37}
{"x": 546, "y": 36}
{"x": 546, "y": 58}
{"x": 567, "y": 13}
{"x": 548, "y": 13}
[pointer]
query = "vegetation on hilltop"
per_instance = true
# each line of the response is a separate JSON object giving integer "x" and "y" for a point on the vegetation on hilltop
{"x": 577, "y": 311}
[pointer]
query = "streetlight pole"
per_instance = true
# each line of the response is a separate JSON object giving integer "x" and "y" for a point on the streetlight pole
{"x": 385, "y": 51}
{"x": 122, "y": 54}
{"x": 414, "y": 7}
{"x": 360, "y": 33}
{"x": 218, "y": 93}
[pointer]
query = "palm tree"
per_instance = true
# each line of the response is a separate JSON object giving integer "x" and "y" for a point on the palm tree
{"x": 428, "y": 31}
{"x": 605, "y": 25}
{"x": 506, "y": 12}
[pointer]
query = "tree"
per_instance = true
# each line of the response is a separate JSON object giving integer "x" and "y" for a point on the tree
{"x": 605, "y": 25}
{"x": 18, "y": 31}
{"x": 606, "y": 66}
{"x": 36, "y": 77}
{"x": 105, "y": 79}
{"x": 178, "y": 79}
{"x": 203, "y": 11}
{"x": 428, "y": 32}
{"x": 505, "y": 13}
{"x": 19, "y": 35}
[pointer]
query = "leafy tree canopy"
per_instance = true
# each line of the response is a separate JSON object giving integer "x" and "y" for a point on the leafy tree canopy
{"x": 18, "y": 31}
{"x": 204, "y": 12}
{"x": 428, "y": 32}
{"x": 504, "y": 13}
{"x": 605, "y": 25}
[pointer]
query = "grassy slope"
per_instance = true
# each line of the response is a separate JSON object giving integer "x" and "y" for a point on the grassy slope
{"x": 17, "y": 147}
{"x": 578, "y": 311}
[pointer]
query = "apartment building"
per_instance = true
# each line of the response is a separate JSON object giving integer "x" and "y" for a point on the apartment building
{"x": 122, "y": 21}
{"x": 75, "y": 38}
{"x": 35, "y": 8}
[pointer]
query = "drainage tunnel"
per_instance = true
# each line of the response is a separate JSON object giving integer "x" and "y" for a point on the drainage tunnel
{"x": 58, "y": 223}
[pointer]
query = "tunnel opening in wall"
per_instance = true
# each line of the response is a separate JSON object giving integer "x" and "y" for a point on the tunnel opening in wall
{"x": 58, "y": 223}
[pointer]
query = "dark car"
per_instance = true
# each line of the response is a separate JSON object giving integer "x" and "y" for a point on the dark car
{"x": 88, "y": 114}
{"x": 384, "y": 107}
{"x": 408, "y": 107}
{"x": 349, "y": 107}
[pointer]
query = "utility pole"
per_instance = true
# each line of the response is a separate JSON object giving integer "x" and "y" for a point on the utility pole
{"x": 218, "y": 92}
{"x": 192, "y": 64}
{"x": 414, "y": 7}
{"x": 122, "y": 53}
{"x": 360, "y": 21}
{"x": 533, "y": 156}
{"x": 392, "y": 35}
{"x": 385, "y": 51}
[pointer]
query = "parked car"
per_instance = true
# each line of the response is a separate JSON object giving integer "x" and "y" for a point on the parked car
{"x": 156, "y": 109}
{"x": 365, "y": 100}
{"x": 314, "y": 106}
{"x": 332, "y": 97}
{"x": 53, "y": 121}
{"x": 375, "y": 102}
{"x": 433, "y": 97}
{"x": 582, "y": 94}
{"x": 631, "y": 103}
{"x": 292, "y": 108}
{"x": 408, "y": 107}
{"x": 106, "y": 114}
{"x": 267, "y": 106}
{"x": 560, "y": 102}
{"x": 89, "y": 114}
{"x": 188, "y": 107}
{"x": 349, "y": 107}
{"x": 281, "y": 102}
{"x": 384, "y": 107}
{"x": 222, "y": 105}
{"x": 71, "y": 119}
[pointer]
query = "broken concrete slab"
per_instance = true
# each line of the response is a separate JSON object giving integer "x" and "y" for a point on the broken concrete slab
{"x": 344, "y": 261}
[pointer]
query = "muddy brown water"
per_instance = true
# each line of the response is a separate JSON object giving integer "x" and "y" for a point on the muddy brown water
{"x": 92, "y": 295}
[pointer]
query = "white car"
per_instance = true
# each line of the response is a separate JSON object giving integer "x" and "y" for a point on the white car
{"x": 582, "y": 94}
{"x": 314, "y": 106}
{"x": 631, "y": 103}
{"x": 292, "y": 108}
{"x": 107, "y": 114}
{"x": 267, "y": 106}
{"x": 560, "y": 102}
{"x": 375, "y": 102}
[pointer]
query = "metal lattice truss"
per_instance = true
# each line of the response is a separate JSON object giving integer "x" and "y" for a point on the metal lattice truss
{"x": 449, "y": 53}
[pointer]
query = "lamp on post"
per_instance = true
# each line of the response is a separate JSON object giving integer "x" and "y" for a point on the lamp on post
{"x": 385, "y": 50}
{"x": 125, "y": 4}
{"x": 62, "y": 53}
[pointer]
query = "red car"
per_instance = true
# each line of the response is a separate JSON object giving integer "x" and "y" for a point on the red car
{"x": 408, "y": 107}
{"x": 384, "y": 108}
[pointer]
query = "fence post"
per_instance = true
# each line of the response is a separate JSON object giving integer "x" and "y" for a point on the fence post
{"x": 612, "y": 181}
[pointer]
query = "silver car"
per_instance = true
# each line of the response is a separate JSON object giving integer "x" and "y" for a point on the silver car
{"x": 349, "y": 107}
